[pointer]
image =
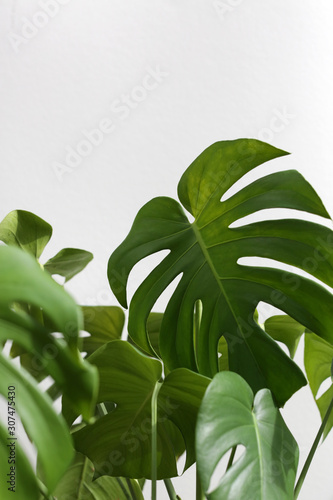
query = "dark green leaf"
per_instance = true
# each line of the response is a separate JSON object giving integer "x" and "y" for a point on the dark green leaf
{"x": 285, "y": 329}
{"x": 68, "y": 262}
{"x": 318, "y": 356}
{"x": 104, "y": 323}
{"x": 119, "y": 444}
{"x": 78, "y": 484}
{"x": 25, "y": 230}
{"x": 229, "y": 415}
{"x": 206, "y": 254}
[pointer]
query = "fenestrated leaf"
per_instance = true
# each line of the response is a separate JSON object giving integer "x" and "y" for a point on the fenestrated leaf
{"x": 206, "y": 254}
{"x": 26, "y": 231}
{"x": 22, "y": 280}
{"x": 318, "y": 355}
{"x": 119, "y": 444}
{"x": 46, "y": 429}
{"x": 104, "y": 323}
{"x": 229, "y": 415}
{"x": 153, "y": 326}
{"x": 285, "y": 329}
{"x": 68, "y": 262}
{"x": 78, "y": 484}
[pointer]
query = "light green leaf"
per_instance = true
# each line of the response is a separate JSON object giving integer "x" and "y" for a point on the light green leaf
{"x": 318, "y": 356}
{"x": 119, "y": 444}
{"x": 23, "y": 481}
{"x": 206, "y": 254}
{"x": 26, "y": 231}
{"x": 68, "y": 262}
{"x": 285, "y": 329}
{"x": 229, "y": 415}
{"x": 78, "y": 484}
{"x": 104, "y": 323}
{"x": 46, "y": 429}
{"x": 23, "y": 281}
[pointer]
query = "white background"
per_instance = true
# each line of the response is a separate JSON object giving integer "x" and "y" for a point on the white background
{"x": 230, "y": 69}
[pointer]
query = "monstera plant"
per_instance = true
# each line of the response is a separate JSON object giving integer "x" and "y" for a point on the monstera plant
{"x": 204, "y": 377}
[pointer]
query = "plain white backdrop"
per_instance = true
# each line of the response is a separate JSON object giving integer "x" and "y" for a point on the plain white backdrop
{"x": 161, "y": 81}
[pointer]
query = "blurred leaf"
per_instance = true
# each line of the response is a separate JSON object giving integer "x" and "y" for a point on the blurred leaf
{"x": 25, "y": 482}
{"x": 45, "y": 428}
{"x": 26, "y": 231}
{"x": 119, "y": 444}
{"x": 318, "y": 356}
{"x": 206, "y": 255}
{"x": 22, "y": 280}
{"x": 104, "y": 323}
{"x": 68, "y": 262}
{"x": 285, "y": 329}
{"x": 78, "y": 484}
{"x": 230, "y": 415}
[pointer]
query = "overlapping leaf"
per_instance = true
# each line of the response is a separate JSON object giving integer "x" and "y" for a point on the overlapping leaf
{"x": 22, "y": 281}
{"x": 78, "y": 484}
{"x": 318, "y": 359}
{"x": 286, "y": 330}
{"x": 45, "y": 428}
{"x": 104, "y": 323}
{"x": 119, "y": 443}
{"x": 230, "y": 415}
{"x": 206, "y": 253}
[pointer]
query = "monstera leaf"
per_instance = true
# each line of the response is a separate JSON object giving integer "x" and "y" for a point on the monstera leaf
{"x": 119, "y": 443}
{"x": 286, "y": 330}
{"x": 229, "y": 416}
{"x": 318, "y": 356}
{"x": 206, "y": 254}
{"x": 78, "y": 484}
{"x": 23, "y": 282}
{"x": 104, "y": 323}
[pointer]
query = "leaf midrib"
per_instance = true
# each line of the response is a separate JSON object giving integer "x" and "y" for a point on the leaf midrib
{"x": 219, "y": 281}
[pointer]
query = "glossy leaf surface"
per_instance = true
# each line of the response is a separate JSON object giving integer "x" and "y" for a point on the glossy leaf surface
{"x": 230, "y": 415}
{"x": 206, "y": 253}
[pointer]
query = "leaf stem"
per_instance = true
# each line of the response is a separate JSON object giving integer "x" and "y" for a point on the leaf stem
{"x": 102, "y": 409}
{"x": 312, "y": 451}
{"x": 232, "y": 456}
{"x": 158, "y": 385}
{"x": 198, "y": 490}
{"x": 43, "y": 490}
{"x": 123, "y": 488}
{"x": 171, "y": 490}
